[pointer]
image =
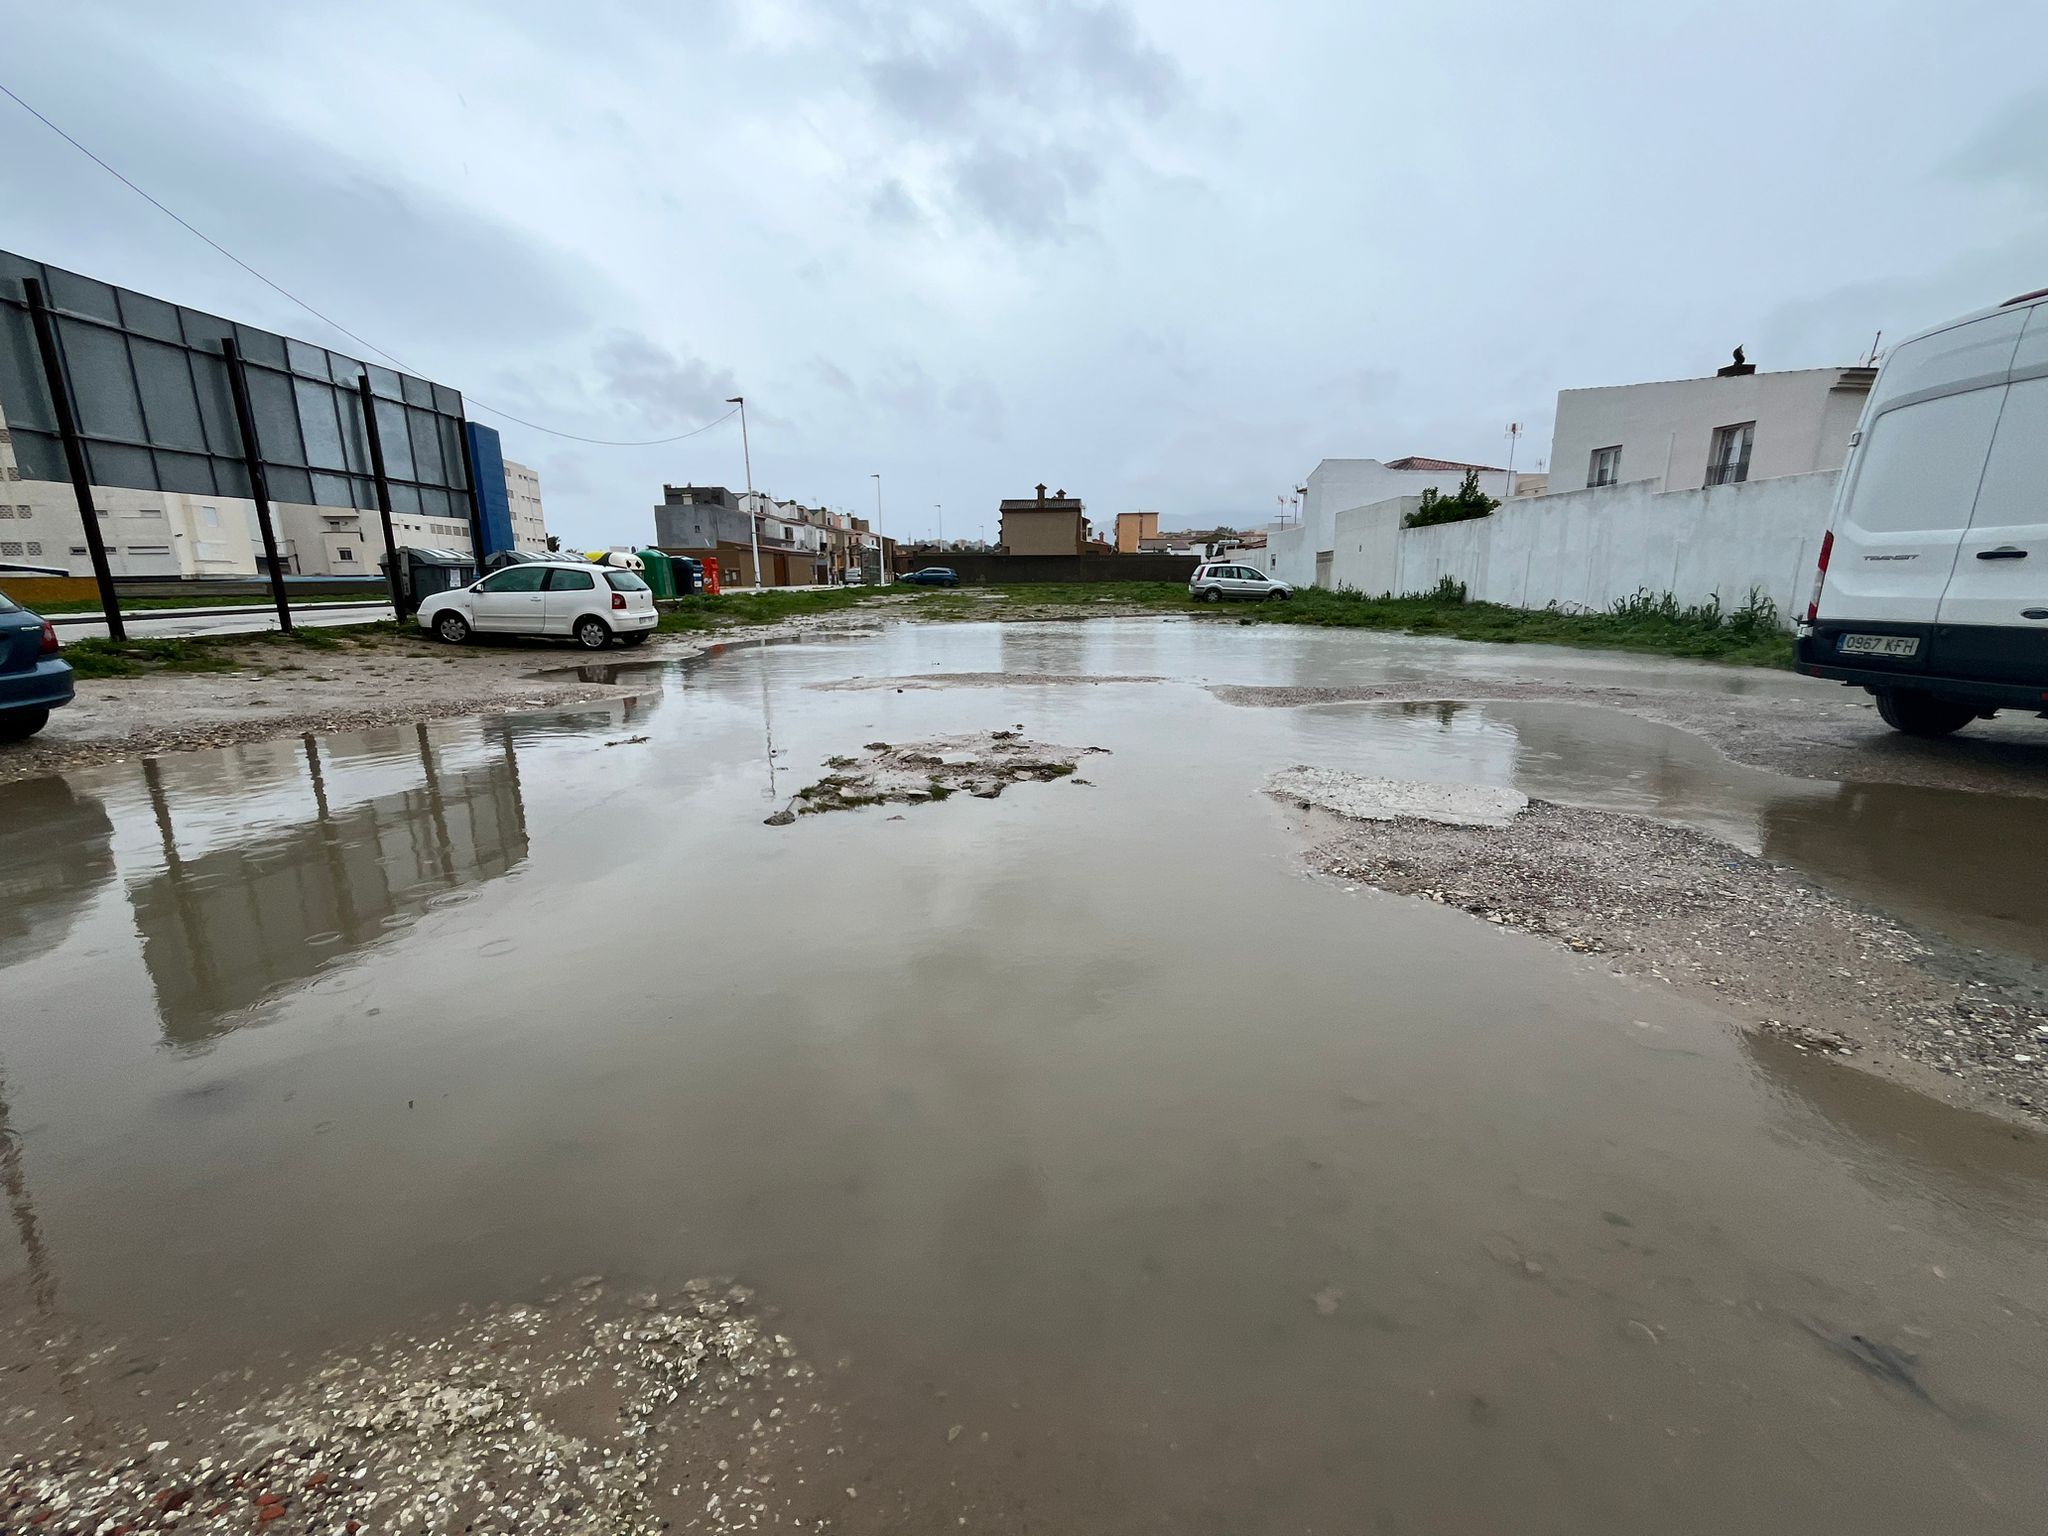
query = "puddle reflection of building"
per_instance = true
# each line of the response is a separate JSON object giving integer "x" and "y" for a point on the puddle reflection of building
{"x": 228, "y": 927}
{"x": 55, "y": 852}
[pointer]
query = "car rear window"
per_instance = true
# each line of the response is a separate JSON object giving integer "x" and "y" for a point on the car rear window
{"x": 625, "y": 581}
{"x": 8, "y": 604}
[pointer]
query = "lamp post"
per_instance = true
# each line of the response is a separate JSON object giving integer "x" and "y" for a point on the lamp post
{"x": 881, "y": 556}
{"x": 753, "y": 511}
{"x": 939, "y": 512}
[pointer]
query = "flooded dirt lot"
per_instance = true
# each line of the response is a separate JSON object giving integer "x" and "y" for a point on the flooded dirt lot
{"x": 1108, "y": 1168}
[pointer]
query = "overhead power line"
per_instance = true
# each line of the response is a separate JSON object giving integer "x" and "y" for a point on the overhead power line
{"x": 325, "y": 319}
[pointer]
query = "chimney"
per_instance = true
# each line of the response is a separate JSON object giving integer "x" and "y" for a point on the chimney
{"x": 1041, "y": 490}
{"x": 1060, "y": 494}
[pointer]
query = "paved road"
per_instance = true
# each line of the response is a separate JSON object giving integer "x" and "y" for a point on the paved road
{"x": 247, "y": 619}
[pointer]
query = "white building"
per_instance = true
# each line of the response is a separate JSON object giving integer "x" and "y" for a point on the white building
{"x": 1683, "y": 434}
{"x": 1302, "y": 552}
{"x": 522, "y": 489}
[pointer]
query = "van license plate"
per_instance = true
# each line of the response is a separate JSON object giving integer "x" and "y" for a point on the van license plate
{"x": 1880, "y": 645}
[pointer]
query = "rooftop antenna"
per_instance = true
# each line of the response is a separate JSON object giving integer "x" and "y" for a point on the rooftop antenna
{"x": 1871, "y": 361}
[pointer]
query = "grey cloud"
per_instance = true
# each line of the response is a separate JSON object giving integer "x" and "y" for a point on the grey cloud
{"x": 892, "y": 205}
{"x": 659, "y": 388}
{"x": 963, "y": 64}
{"x": 1027, "y": 196}
{"x": 837, "y": 377}
{"x": 1023, "y": 107}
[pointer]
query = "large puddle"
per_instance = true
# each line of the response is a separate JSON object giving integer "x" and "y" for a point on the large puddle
{"x": 1214, "y": 1196}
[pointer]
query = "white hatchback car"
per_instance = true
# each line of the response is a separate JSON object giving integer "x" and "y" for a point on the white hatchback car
{"x": 1214, "y": 580}
{"x": 570, "y": 599}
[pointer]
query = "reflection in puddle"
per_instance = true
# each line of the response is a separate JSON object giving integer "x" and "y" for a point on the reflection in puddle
{"x": 226, "y": 928}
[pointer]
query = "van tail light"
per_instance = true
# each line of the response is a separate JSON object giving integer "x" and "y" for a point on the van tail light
{"x": 618, "y": 600}
{"x": 49, "y": 645}
{"x": 1820, "y": 575}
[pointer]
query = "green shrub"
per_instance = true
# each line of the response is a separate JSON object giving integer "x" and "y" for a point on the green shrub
{"x": 1469, "y": 502}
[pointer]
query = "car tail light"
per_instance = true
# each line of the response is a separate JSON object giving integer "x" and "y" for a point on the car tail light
{"x": 618, "y": 599}
{"x": 49, "y": 645}
{"x": 1820, "y": 575}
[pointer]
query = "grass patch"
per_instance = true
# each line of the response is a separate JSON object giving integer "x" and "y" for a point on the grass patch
{"x": 1748, "y": 636}
{"x": 99, "y": 657}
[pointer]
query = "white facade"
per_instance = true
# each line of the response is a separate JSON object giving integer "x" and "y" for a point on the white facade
{"x": 147, "y": 533}
{"x": 171, "y": 534}
{"x": 1337, "y": 485}
{"x": 1665, "y": 431}
{"x": 529, "y": 527}
{"x": 1592, "y": 548}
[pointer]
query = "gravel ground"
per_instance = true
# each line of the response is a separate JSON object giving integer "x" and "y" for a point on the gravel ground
{"x": 1783, "y": 955}
{"x": 366, "y": 680}
{"x": 578, "y": 1414}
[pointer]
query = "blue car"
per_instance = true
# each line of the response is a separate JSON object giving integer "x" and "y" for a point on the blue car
{"x": 932, "y": 576}
{"x": 33, "y": 680}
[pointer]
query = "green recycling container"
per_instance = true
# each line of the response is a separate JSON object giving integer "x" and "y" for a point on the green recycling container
{"x": 659, "y": 573}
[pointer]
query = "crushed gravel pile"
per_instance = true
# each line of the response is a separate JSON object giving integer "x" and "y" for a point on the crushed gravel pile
{"x": 1363, "y": 798}
{"x": 1665, "y": 902}
{"x": 576, "y": 1416}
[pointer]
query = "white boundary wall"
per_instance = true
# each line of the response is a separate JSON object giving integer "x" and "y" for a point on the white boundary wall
{"x": 1593, "y": 548}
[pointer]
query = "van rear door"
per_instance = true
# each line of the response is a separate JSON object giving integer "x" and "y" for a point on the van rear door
{"x": 1908, "y": 489}
{"x": 1994, "y": 616}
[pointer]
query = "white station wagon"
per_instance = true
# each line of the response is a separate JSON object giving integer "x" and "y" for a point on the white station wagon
{"x": 569, "y": 599}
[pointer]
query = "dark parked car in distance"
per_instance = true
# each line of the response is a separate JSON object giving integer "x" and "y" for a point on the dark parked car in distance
{"x": 932, "y": 576}
{"x": 33, "y": 679}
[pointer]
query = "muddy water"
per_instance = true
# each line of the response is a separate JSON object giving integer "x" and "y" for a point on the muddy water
{"x": 1214, "y": 1197}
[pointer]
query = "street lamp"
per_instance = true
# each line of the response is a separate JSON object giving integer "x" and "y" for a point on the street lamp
{"x": 881, "y": 556}
{"x": 753, "y": 511}
{"x": 939, "y": 512}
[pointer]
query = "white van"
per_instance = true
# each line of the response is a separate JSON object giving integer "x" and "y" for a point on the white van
{"x": 1932, "y": 591}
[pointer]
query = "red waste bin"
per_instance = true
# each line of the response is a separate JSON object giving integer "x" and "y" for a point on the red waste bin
{"x": 711, "y": 577}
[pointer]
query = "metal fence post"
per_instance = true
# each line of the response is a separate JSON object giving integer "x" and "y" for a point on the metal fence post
{"x": 74, "y": 453}
{"x": 383, "y": 493}
{"x": 259, "y": 483}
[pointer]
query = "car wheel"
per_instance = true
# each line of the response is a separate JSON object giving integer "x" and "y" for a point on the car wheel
{"x": 593, "y": 634}
{"x": 1277, "y": 595}
{"x": 1213, "y": 595}
{"x": 639, "y": 639}
{"x": 20, "y": 724}
{"x": 1922, "y": 714}
{"x": 452, "y": 627}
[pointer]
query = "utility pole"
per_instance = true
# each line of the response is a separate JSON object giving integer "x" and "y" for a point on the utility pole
{"x": 383, "y": 485}
{"x": 259, "y": 481}
{"x": 753, "y": 511}
{"x": 1514, "y": 435}
{"x": 74, "y": 453}
{"x": 939, "y": 512}
{"x": 881, "y": 557}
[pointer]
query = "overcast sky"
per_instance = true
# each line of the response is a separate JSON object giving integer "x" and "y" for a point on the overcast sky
{"x": 1162, "y": 253}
